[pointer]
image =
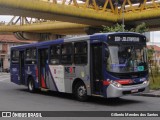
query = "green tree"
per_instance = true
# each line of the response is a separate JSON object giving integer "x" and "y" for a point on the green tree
{"x": 150, "y": 57}
{"x": 115, "y": 28}
{"x": 141, "y": 28}
{"x": 150, "y": 54}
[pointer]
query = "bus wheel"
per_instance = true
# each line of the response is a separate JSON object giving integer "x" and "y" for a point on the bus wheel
{"x": 80, "y": 91}
{"x": 31, "y": 87}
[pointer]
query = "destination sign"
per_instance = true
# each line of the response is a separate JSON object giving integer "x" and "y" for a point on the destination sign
{"x": 126, "y": 39}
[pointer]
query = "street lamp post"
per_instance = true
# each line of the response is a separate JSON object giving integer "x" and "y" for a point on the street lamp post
{"x": 123, "y": 17}
{"x": 122, "y": 8}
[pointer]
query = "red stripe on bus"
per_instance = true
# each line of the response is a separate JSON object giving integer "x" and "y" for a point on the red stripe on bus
{"x": 42, "y": 82}
{"x": 106, "y": 83}
{"x": 124, "y": 81}
{"x": 36, "y": 71}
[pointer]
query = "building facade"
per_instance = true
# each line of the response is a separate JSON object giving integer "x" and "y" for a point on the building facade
{"x": 6, "y": 42}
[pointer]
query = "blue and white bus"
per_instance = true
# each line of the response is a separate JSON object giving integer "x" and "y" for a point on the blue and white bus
{"x": 108, "y": 65}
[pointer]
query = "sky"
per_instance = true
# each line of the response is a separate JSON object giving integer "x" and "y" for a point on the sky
{"x": 5, "y": 18}
{"x": 154, "y": 36}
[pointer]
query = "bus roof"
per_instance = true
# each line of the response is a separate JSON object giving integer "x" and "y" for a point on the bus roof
{"x": 85, "y": 37}
{"x": 38, "y": 44}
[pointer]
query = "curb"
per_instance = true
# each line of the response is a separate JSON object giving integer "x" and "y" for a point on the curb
{"x": 148, "y": 95}
{"x": 152, "y": 93}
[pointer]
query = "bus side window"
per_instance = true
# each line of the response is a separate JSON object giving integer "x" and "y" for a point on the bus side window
{"x": 34, "y": 53}
{"x": 15, "y": 57}
{"x": 80, "y": 53}
{"x": 67, "y": 53}
{"x": 55, "y": 53}
{"x": 30, "y": 56}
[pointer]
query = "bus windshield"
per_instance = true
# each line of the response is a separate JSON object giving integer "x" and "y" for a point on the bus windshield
{"x": 127, "y": 58}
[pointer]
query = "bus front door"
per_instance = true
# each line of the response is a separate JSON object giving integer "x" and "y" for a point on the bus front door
{"x": 96, "y": 68}
{"x": 42, "y": 69}
{"x": 21, "y": 67}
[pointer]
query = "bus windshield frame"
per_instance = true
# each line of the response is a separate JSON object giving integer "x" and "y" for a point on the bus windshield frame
{"x": 126, "y": 54}
{"x": 127, "y": 58}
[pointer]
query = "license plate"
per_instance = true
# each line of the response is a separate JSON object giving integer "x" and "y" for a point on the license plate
{"x": 135, "y": 90}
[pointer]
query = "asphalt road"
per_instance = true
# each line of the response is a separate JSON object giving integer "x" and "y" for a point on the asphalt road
{"x": 16, "y": 98}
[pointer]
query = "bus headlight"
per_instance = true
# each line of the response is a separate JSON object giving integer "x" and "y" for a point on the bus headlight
{"x": 145, "y": 82}
{"x": 115, "y": 83}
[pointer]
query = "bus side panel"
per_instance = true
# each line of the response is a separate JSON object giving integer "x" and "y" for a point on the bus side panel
{"x": 56, "y": 78}
{"x": 62, "y": 77}
{"x": 15, "y": 73}
{"x": 31, "y": 71}
{"x": 81, "y": 72}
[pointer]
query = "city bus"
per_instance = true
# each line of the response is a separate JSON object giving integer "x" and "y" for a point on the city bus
{"x": 107, "y": 65}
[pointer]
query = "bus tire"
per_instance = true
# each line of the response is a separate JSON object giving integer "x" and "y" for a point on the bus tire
{"x": 31, "y": 86}
{"x": 80, "y": 91}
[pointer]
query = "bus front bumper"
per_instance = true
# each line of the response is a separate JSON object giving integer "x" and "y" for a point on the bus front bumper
{"x": 113, "y": 91}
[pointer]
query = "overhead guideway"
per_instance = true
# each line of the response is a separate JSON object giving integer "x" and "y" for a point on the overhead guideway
{"x": 55, "y": 11}
{"x": 82, "y": 14}
{"x": 90, "y": 12}
{"x": 63, "y": 28}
